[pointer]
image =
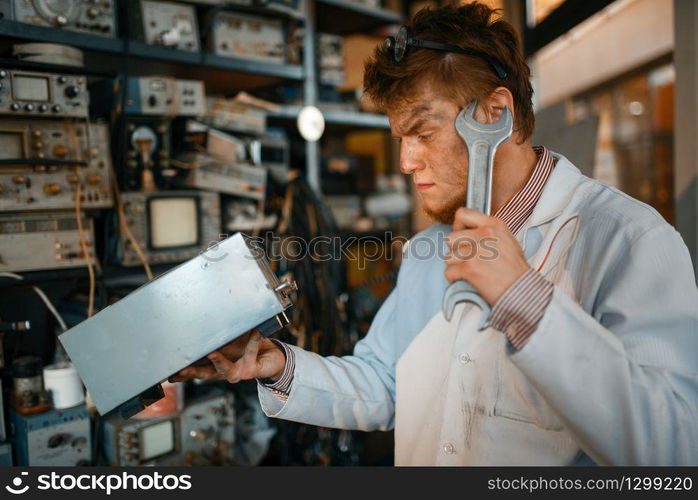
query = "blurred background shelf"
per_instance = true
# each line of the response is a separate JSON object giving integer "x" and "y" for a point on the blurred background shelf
{"x": 337, "y": 118}
{"x": 340, "y": 17}
{"x": 287, "y": 71}
{"x": 29, "y": 32}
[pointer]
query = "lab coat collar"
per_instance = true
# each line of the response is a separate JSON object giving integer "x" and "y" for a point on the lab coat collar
{"x": 556, "y": 195}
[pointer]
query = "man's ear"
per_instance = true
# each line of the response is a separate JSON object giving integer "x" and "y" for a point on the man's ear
{"x": 490, "y": 110}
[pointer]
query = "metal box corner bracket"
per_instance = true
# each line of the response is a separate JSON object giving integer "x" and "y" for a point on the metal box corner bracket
{"x": 175, "y": 320}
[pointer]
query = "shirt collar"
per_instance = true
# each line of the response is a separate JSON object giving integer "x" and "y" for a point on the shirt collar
{"x": 517, "y": 210}
{"x": 563, "y": 183}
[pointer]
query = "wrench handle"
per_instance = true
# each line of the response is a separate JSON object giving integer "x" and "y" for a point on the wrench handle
{"x": 480, "y": 163}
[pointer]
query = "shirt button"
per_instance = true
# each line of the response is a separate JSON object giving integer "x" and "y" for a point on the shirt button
{"x": 448, "y": 448}
{"x": 464, "y": 358}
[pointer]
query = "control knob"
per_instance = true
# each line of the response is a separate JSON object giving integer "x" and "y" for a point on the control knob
{"x": 94, "y": 179}
{"x": 58, "y": 440}
{"x": 72, "y": 91}
{"x": 52, "y": 189}
{"x": 60, "y": 151}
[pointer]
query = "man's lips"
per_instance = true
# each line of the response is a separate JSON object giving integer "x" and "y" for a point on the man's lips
{"x": 423, "y": 186}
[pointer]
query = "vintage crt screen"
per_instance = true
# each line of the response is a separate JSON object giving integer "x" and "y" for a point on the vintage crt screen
{"x": 11, "y": 145}
{"x": 30, "y": 88}
{"x": 173, "y": 222}
{"x": 157, "y": 440}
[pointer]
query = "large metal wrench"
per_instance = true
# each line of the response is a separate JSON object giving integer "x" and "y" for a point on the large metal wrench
{"x": 482, "y": 141}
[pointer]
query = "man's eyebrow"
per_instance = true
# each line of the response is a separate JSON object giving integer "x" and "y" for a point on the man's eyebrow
{"x": 419, "y": 121}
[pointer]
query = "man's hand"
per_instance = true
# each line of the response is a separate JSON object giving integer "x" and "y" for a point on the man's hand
{"x": 250, "y": 356}
{"x": 485, "y": 253}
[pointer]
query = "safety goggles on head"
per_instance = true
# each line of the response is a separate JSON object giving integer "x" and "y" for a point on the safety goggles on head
{"x": 399, "y": 43}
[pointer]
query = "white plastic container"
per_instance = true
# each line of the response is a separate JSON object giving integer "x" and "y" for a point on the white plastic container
{"x": 63, "y": 382}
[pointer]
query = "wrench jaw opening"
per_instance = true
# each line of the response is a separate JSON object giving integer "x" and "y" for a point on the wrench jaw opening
{"x": 482, "y": 141}
{"x": 462, "y": 291}
{"x": 472, "y": 131}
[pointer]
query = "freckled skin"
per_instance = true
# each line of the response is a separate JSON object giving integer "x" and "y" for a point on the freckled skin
{"x": 433, "y": 153}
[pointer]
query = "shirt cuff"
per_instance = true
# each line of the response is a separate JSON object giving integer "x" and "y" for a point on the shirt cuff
{"x": 519, "y": 310}
{"x": 282, "y": 387}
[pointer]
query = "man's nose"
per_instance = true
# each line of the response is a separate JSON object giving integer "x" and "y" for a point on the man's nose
{"x": 410, "y": 159}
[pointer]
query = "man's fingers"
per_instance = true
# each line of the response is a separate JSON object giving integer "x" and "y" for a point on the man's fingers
{"x": 190, "y": 372}
{"x": 229, "y": 370}
{"x": 462, "y": 245}
{"x": 248, "y": 364}
{"x": 252, "y": 347}
{"x": 467, "y": 218}
{"x": 236, "y": 349}
{"x": 220, "y": 365}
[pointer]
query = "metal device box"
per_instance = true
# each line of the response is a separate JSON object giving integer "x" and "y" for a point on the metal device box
{"x": 136, "y": 214}
{"x": 35, "y": 241}
{"x": 86, "y": 16}
{"x": 208, "y": 430}
{"x": 42, "y": 162}
{"x": 155, "y": 131}
{"x": 180, "y": 317}
{"x": 28, "y": 93}
{"x": 151, "y": 95}
{"x": 331, "y": 59}
{"x": 56, "y": 437}
{"x": 248, "y": 181}
{"x": 191, "y": 97}
{"x": 165, "y": 23}
{"x": 292, "y": 8}
{"x": 164, "y": 96}
{"x": 248, "y": 37}
{"x": 124, "y": 441}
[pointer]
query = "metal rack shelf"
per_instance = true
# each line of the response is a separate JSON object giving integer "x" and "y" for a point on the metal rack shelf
{"x": 343, "y": 18}
{"x": 337, "y": 118}
{"x": 287, "y": 71}
{"x": 354, "y": 119}
{"x": 30, "y": 32}
{"x": 119, "y": 51}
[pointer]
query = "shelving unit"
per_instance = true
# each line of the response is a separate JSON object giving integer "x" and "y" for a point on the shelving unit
{"x": 106, "y": 59}
{"x": 222, "y": 74}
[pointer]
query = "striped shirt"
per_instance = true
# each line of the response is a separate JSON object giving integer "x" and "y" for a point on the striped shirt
{"x": 519, "y": 310}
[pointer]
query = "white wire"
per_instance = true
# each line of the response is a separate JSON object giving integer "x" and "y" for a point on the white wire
{"x": 43, "y": 297}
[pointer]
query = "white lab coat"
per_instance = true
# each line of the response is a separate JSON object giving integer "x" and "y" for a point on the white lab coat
{"x": 610, "y": 376}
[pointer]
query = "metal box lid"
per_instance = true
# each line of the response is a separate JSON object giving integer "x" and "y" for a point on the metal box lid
{"x": 174, "y": 320}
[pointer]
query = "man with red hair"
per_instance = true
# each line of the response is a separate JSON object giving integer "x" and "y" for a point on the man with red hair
{"x": 589, "y": 355}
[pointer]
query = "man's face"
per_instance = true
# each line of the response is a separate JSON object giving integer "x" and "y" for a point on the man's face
{"x": 432, "y": 152}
